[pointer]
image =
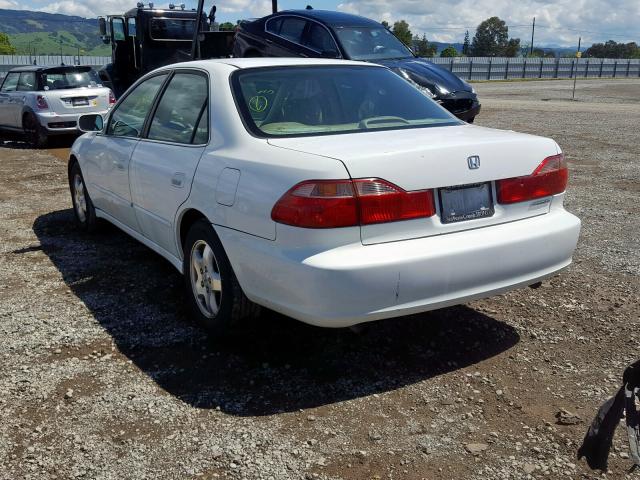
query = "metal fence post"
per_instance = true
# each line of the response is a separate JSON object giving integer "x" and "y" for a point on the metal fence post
{"x": 541, "y": 64}
{"x": 451, "y": 65}
{"x": 571, "y": 74}
{"x": 470, "y": 68}
{"x": 506, "y": 70}
{"x": 601, "y": 64}
{"x": 489, "y": 71}
{"x": 524, "y": 68}
{"x": 615, "y": 68}
{"x": 586, "y": 70}
{"x": 628, "y": 67}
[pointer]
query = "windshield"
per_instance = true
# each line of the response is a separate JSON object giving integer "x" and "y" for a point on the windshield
{"x": 371, "y": 43}
{"x": 62, "y": 79}
{"x": 302, "y": 101}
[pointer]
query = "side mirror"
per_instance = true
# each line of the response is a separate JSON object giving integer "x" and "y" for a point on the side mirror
{"x": 102, "y": 26}
{"x": 90, "y": 123}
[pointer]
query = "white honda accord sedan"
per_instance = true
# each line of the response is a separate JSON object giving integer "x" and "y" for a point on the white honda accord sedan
{"x": 333, "y": 192}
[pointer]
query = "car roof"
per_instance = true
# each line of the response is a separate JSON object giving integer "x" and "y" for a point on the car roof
{"x": 242, "y": 63}
{"x": 333, "y": 18}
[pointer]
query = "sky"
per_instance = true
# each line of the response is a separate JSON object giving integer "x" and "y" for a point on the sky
{"x": 558, "y": 22}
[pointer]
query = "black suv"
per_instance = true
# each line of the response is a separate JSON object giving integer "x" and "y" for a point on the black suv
{"x": 328, "y": 34}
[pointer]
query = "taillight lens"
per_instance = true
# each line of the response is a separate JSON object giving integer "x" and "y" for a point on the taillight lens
{"x": 345, "y": 203}
{"x": 112, "y": 98}
{"x": 41, "y": 102}
{"x": 549, "y": 178}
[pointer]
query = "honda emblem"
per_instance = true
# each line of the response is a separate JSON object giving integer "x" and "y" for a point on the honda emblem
{"x": 473, "y": 162}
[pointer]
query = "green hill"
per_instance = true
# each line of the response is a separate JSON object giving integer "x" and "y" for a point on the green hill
{"x": 46, "y": 33}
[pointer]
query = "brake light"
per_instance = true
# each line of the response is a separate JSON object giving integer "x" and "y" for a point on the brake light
{"x": 41, "y": 102}
{"x": 112, "y": 98}
{"x": 345, "y": 203}
{"x": 549, "y": 178}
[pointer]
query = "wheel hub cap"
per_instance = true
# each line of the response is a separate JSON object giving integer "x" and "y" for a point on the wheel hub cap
{"x": 206, "y": 283}
{"x": 79, "y": 197}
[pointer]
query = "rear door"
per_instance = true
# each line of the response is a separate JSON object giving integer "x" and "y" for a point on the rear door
{"x": 165, "y": 161}
{"x": 107, "y": 159}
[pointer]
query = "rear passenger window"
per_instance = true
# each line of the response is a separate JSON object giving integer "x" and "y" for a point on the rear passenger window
{"x": 181, "y": 113}
{"x": 292, "y": 29}
{"x": 10, "y": 82}
{"x": 273, "y": 26}
{"x": 27, "y": 82}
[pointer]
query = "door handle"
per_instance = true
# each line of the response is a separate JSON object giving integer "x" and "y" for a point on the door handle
{"x": 177, "y": 180}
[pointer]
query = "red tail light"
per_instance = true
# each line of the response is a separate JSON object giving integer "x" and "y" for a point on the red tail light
{"x": 112, "y": 98}
{"x": 345, "y": 203}
{"x": 41, "y": 102}
{"x": 549, "y": 178}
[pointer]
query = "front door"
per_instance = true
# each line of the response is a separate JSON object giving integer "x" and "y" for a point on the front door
{"x": 165, "y": 161}
{"x": 7, "y": 100}
{"x": 108, "y": 159}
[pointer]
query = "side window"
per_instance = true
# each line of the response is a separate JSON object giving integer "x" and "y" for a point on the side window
{"x": 131, "y": 26}
{"x": 10, "y": 82}
{"x": 128, "y": 118}
{"x": 273, "y": 26}
{"x": 320, "y": 40}
{"x": 117, "y": 27}
{"x": 180, "y": 109}
{"x": 27, "y": 82}
{"x": 292, "y": 29}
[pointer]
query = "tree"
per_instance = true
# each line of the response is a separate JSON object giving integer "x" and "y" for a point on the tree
{"x": 423, "y": 48}
{"x": 401, "y": 30}
{"x": 492, "y": 39}
{"x": 467, "y": 44}
{"x": 5, "y": 45}
{"x": 227, "y": 26}
{"x": 450, "y": 51}
{"x": 386, "y": 25}
{"x": 612, "y": 49}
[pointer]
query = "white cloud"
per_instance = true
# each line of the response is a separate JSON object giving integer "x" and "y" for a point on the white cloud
{"x": 557, "y": 21}
{"x": 10, "y": 4}
{"x": 256, "y": 8}
{"x": 89, "y": 8}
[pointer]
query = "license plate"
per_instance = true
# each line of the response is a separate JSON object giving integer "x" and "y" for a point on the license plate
{"x": 79, "y": 102}
{"x": 466, "y": 202}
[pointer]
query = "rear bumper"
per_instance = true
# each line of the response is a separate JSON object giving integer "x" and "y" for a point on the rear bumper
{"x": 61, "y": 124}
{"x": 352, "y": 284}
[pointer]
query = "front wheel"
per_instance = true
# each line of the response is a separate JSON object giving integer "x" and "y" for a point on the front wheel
{"x": 214, "y": 295}
{"x": 35, "y": 134}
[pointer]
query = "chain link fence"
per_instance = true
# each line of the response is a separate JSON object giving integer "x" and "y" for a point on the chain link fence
{"x": 504, "y": 68}
{"x": 469, "y": 68}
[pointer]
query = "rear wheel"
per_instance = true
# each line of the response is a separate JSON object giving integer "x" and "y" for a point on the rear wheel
{"x": 216, "y": 299}
{"x": 35, "y": 134}
{"x": 83, "y": 208}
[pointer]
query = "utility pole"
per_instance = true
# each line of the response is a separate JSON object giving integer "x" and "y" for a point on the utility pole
{"x": 61, "y": 58}
{"x": 575, "y": 76}
{"x": 533, "y": 31}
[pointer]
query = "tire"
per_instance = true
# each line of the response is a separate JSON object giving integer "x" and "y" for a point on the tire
{"x": 35, "y": 134}
{"x": 215, "y": 297}
{"x": 83, "y": 209}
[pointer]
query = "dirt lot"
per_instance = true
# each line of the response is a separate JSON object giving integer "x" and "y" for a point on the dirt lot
{"x": 102, "y": 376}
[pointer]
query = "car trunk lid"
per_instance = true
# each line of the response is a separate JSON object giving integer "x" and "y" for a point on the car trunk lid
{"x": 435, "y": 158}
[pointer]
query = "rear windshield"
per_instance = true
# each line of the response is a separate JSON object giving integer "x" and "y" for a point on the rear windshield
{"x": 69, "y": 78}
{"x": 303, "y": 101}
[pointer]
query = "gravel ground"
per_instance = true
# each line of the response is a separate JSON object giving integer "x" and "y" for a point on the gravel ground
{"x": 104, "y": 377}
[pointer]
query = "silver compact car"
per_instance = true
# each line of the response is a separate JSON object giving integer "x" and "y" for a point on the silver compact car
{"x": 44, "y": 101}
